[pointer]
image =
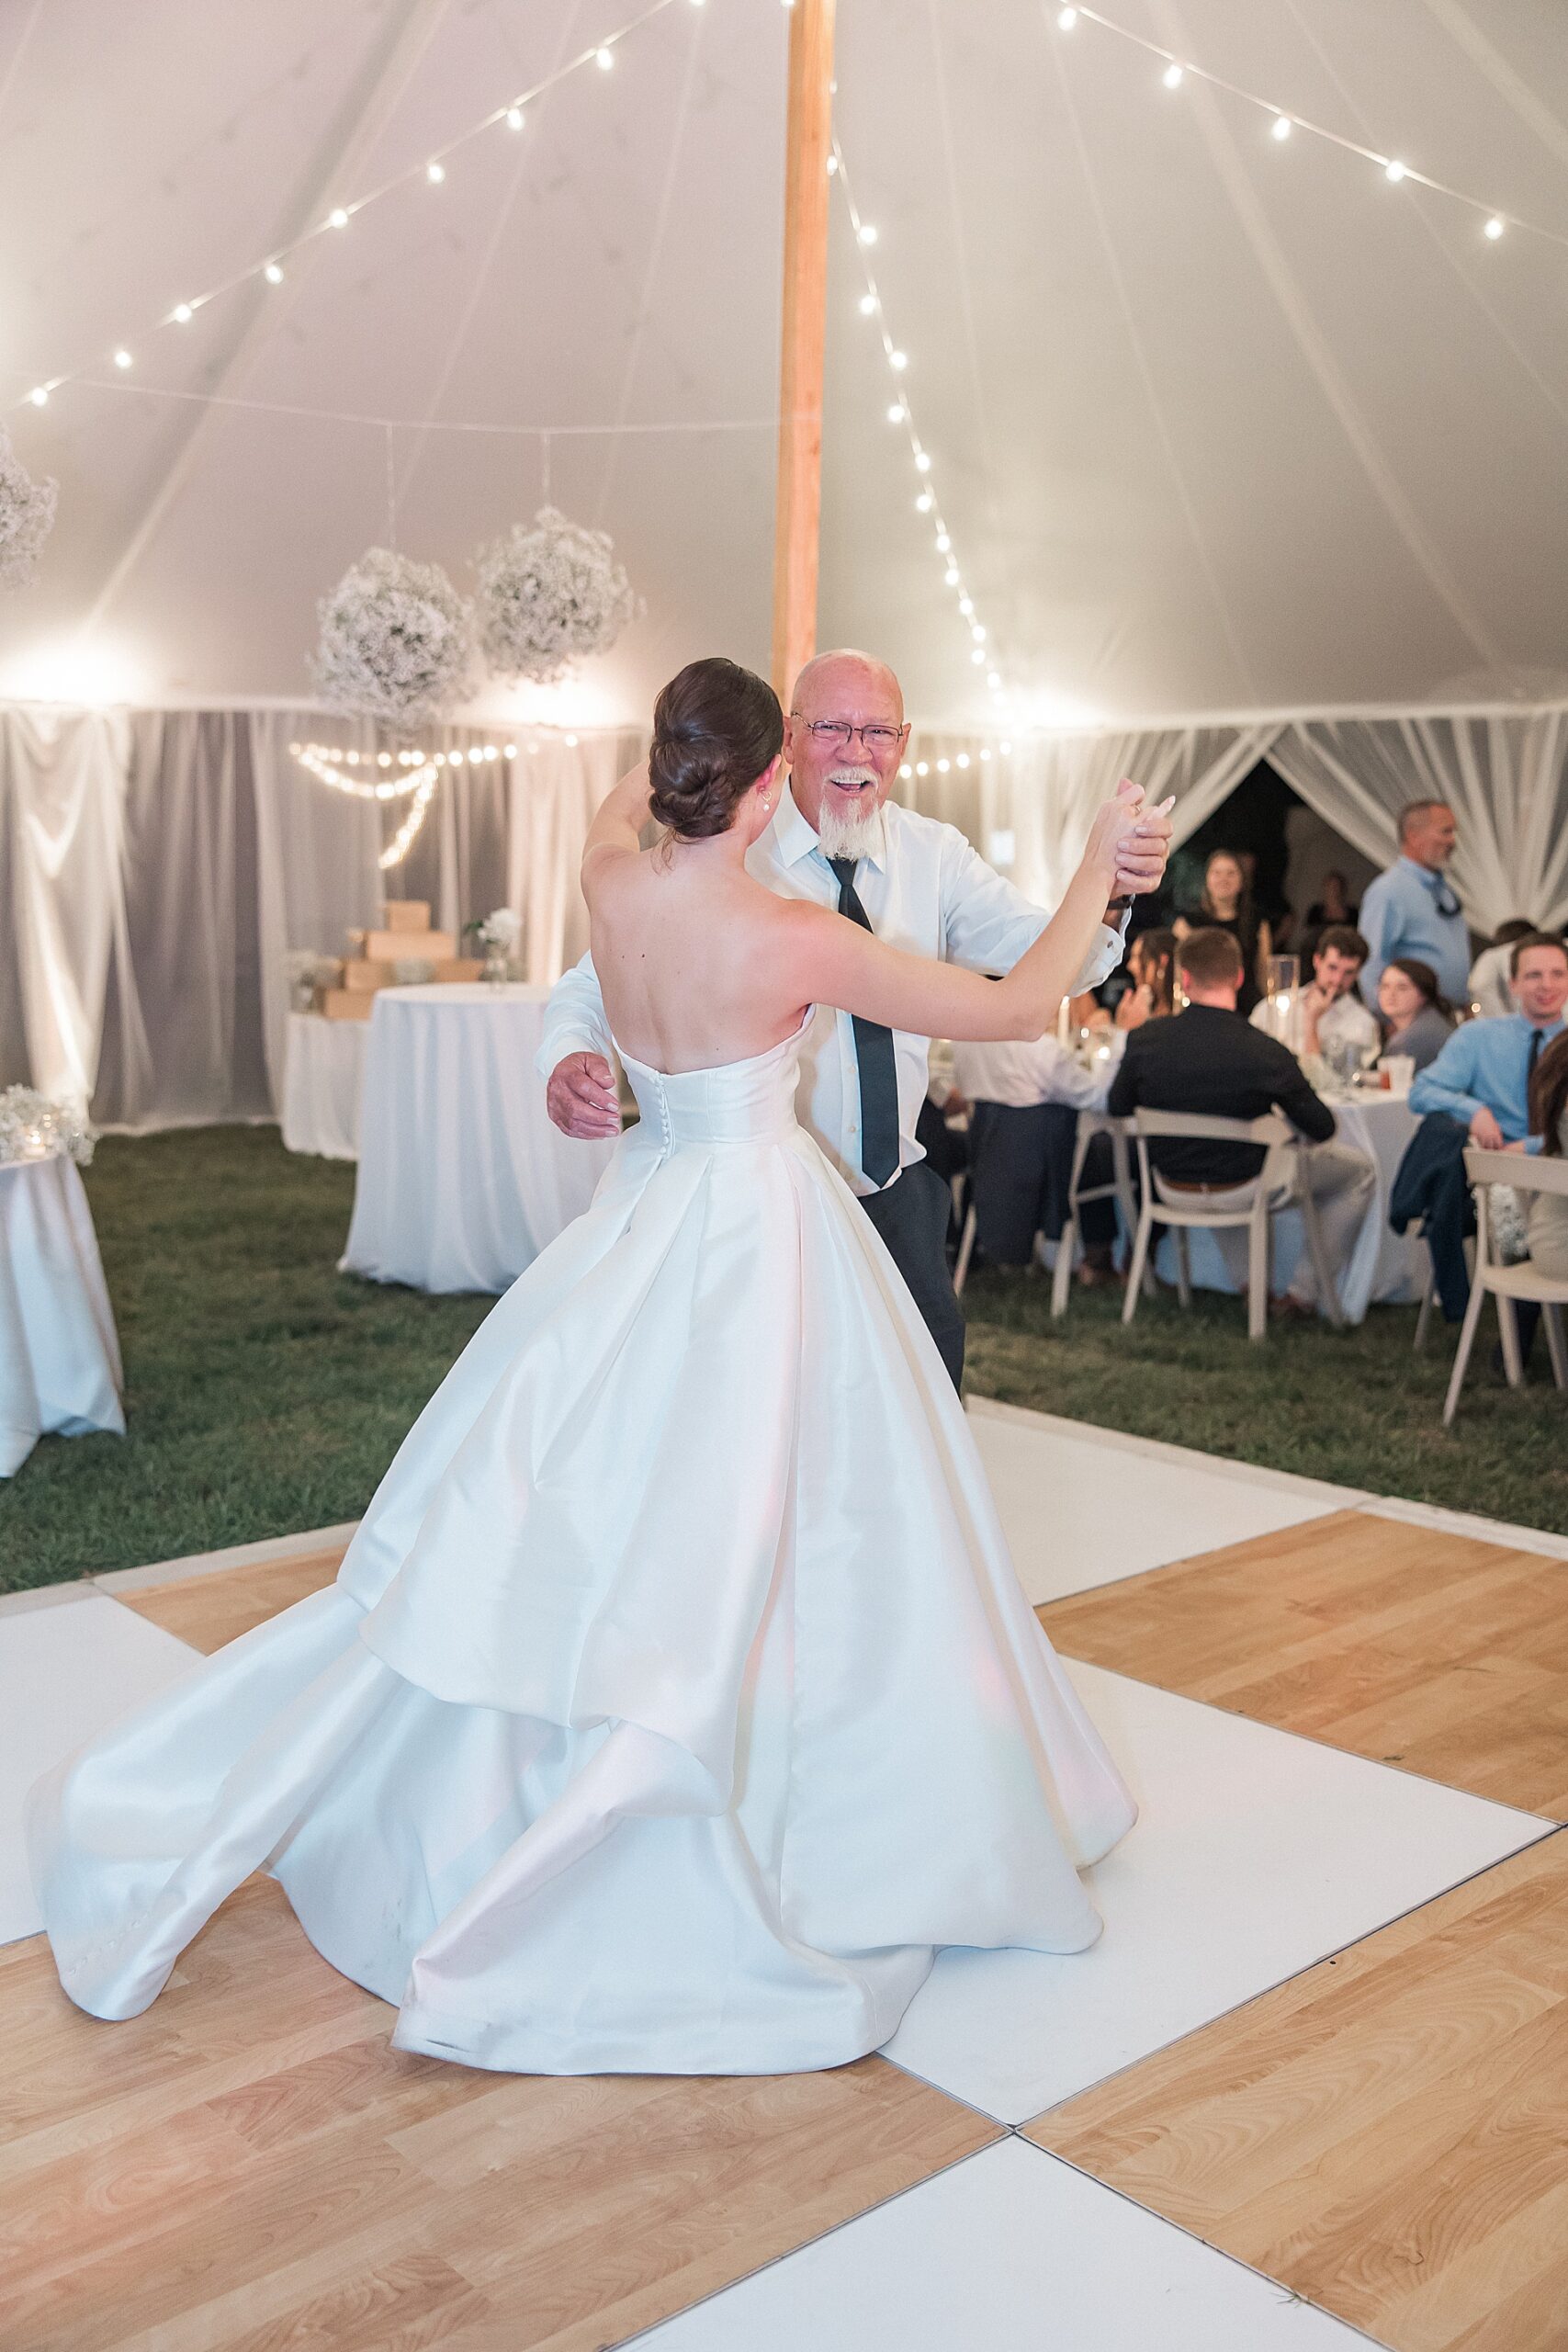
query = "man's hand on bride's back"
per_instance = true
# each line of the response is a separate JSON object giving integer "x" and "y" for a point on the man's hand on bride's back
{"x": 581, "y": 1097}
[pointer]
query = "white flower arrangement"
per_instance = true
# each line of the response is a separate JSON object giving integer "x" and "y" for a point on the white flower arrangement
{"x": 27, "y": 516}
{"x": 501, "y": 930}
{"x": 551, "y": 593}
{"x": 32, "y": 1127}
{"x": 396, "y": 643}
{"x": 308, "y": 973}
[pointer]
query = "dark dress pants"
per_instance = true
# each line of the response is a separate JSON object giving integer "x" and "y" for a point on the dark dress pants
{"x": 911, "y": 1215}
{"x": 1021, "y": 1164}
{"x": 1431, "y": 1187}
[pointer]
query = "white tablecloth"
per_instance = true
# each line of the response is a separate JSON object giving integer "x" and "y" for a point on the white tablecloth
{"x": 1384, "y": 1266}
{"x": 462, "y": 1179}
{"x": 323, "y": 1080}
{"x": 59, "y": 1355}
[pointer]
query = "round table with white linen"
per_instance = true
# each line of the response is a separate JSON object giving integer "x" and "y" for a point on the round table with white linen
{"x": 323, "y": 1083}
{"x": 1384, "y": 1267}
{"x": 58, "y": 1352}
{"x": 462, "y": 1177}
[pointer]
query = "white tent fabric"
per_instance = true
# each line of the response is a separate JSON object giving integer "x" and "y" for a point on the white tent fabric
{"x": 1504, "y": 774}
{"x": 1219, "y": 427}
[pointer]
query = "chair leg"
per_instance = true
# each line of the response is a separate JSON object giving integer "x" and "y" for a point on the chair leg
{"x": 1424, "y": 1318}
{"x": 1462, "y": 1354}
{"x": 1183, "y": 1268}
{"x": 1328, "y": 1289}
{"x": 1513, "y": 1355}
{"x": 966, "y": 1251}
{"x": 1062, "y": 1276}
{"x": 1138, "y": 1262}
{"x": 1557, "y": 1343}
{"x": 1258, "y": 1269}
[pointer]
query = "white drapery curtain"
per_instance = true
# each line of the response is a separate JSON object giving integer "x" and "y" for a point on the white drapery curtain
{"x": 1028, "y": 810}
{"x": 1505, "y": 775}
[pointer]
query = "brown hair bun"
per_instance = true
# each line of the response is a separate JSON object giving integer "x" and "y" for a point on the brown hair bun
{"x": 715, "y": 729}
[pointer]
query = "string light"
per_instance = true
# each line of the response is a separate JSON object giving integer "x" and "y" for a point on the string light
{"x": 122, "y": 359}
{"x": 270, "y": 267}
{"x": 408, "y": 832}
{"x": 38, "y": 396}
{"x": 1282, "y": 125}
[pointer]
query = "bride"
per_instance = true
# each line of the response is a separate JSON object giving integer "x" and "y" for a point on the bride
{"x": 676, "y": 1698}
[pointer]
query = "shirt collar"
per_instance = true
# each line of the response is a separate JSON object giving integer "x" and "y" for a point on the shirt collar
{"x": 795, "y": 839}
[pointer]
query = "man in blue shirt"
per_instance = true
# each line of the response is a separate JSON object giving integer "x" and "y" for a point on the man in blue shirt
{"x": 1477, "y": 1092}
{"x": 1411, "y": 909}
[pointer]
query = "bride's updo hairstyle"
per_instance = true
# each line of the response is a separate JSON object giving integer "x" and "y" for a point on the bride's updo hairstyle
{"x": 716, "y": 727}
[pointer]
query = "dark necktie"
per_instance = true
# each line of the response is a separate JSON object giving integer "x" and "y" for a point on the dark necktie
{"x": 1536, "y": 1037}
{"x": 874, "y": 1057}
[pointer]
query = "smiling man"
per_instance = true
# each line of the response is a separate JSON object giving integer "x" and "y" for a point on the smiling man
{"x": 838, "y": 839}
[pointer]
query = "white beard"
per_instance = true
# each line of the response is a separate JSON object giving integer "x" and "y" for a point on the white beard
{"x": 849, "y": 831}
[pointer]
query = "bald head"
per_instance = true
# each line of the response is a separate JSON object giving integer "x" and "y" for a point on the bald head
{"x": 839, "y": 780}
{"x": 841, "y": 673}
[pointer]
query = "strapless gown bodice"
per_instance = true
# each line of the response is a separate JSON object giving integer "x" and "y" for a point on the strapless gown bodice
{"x": 750, "y": 1102}
{"x": 676, "y": 1698}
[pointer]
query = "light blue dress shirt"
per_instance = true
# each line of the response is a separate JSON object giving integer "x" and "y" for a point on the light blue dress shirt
{"x": 1483, "y": 1067}
{"x": 1406, "y": 913}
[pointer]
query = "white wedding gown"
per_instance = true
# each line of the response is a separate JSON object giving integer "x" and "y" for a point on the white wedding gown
{"x": 676, "y": 1696}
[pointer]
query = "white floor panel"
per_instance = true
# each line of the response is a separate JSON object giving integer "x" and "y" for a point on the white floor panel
{"x": 64, "y": 1674}
{"x": 1256, "y": 1854}
{"x": 1080, "y": 1512}
{"x": 1010, "y": 2251}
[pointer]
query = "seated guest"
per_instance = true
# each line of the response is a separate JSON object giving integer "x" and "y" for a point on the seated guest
{"x": 1489, "y": 973}
{"x": 1327, "y": 1014}
{"x": 1418, "y": 1018}
{"x": 1334, "y": 907}
{"x": 1151, "y": 959}
{"x": 1024, "y": 1104}
{"x": 1477, "y": 1092}
{"x": 1547, "y": 1226}
{"x": 1208, "y": 1060}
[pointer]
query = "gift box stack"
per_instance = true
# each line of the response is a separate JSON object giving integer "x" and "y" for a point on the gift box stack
{"x": 387, "y": 958}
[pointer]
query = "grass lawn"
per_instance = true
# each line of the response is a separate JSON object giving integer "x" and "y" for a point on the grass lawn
{"x": 266, "y": 1393}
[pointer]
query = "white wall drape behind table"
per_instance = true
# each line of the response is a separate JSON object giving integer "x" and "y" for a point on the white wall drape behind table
{"x": 59, "y": 1353}
{"x": 1505, "y": 775}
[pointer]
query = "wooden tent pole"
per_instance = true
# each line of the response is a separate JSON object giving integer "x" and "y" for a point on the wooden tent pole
{"x": 804, "y": 326}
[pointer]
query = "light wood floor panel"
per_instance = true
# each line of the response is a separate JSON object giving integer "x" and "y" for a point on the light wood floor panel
{"x": 207, "y": 1611}
{"x": 1436, "y": 1652}
{"x": 1384, "y": 2134}
{"x": 251, "y": 2165}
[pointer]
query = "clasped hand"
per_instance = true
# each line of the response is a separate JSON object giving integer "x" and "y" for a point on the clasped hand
{"x": 1131, "y": 841}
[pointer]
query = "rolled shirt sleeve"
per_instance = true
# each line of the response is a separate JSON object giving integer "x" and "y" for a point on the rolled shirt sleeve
{"x": 988, "y": 923}
{"x": 1447, "y": 1083}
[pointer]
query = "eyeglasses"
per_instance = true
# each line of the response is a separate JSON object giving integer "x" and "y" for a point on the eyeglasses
{"x": 880, "y": 742}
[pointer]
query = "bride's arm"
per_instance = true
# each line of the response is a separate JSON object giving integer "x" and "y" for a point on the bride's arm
{"x": 618, "y": 825}
{"x": 833, "y": 961}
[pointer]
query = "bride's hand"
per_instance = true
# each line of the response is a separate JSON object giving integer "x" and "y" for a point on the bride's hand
{"x": 1116, "y": 822}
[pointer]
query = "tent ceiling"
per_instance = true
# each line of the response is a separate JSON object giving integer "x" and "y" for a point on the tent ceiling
{"x": 1217, "y": 424}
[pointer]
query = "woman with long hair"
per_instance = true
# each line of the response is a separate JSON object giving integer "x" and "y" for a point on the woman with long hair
{"x": 1227, "y": 905}
{"x": 1151, "y": 959}
{"x": 677, "y": 1696}
{"x": 1418, "y": 1019}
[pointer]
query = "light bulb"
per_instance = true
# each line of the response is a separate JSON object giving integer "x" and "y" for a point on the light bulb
{"x": 978, "y": 657}
{"x": 963, "y": 758}
{"x": 943, "y": 766}
{"x": 603, "y": 59}
{"x": 1172, "y": 76}
{"x": 122, "y": 359}
{"x": 38, "y": 396}
{"x": 337, "y": 218}
{"x": 922, "y": 767}
{"x": 986, "y": 753}
{"x": 896, "y": 413}
{"x": 183, "y": 313}
{"x": 1394, "y": 171}
{"x": 1066, "y": 18}
{"x": 978, "y": 633}
{"x": 514, "y": 118}
{"x": 966, "y": 607}
{"x": 1281, "y": 127}
{"x": 435, "y": 173}
{"x": 994, "y": 681}
{"x": 906, "y": 770}
{"x": 951, "y": 575}
{"x": 1494, "y": 227}
{"x": 922, "y": 463}
{"x": 867, "y": 305}
{"x": 273, "y": 275}
{"x": 899, "y": 360}
{"x": 924, "y": 504}
{"x": 832, "y": 160}
{"x": 383, "y": 759}
{"x": 942, "y": 543}
{"x": 867, "y": 233}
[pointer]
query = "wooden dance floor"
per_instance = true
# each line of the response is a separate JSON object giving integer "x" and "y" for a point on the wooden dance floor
{"x": 1319, "y": 2099}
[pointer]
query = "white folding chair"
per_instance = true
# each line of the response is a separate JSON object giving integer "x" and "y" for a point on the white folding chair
{"x": 1280, "y": 1184}
{"x": 1509, "y": 1284}
{"x": 1120, "y": 1189}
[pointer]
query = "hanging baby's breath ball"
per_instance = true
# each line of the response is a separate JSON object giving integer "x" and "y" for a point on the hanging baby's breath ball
{"x": 27, "y": 516}
{"x": 396, "y": 641}
{"x": 551, "y": 593}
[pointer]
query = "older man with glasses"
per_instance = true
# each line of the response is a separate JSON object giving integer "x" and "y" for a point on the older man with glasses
{"x": 837, "y": 838}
